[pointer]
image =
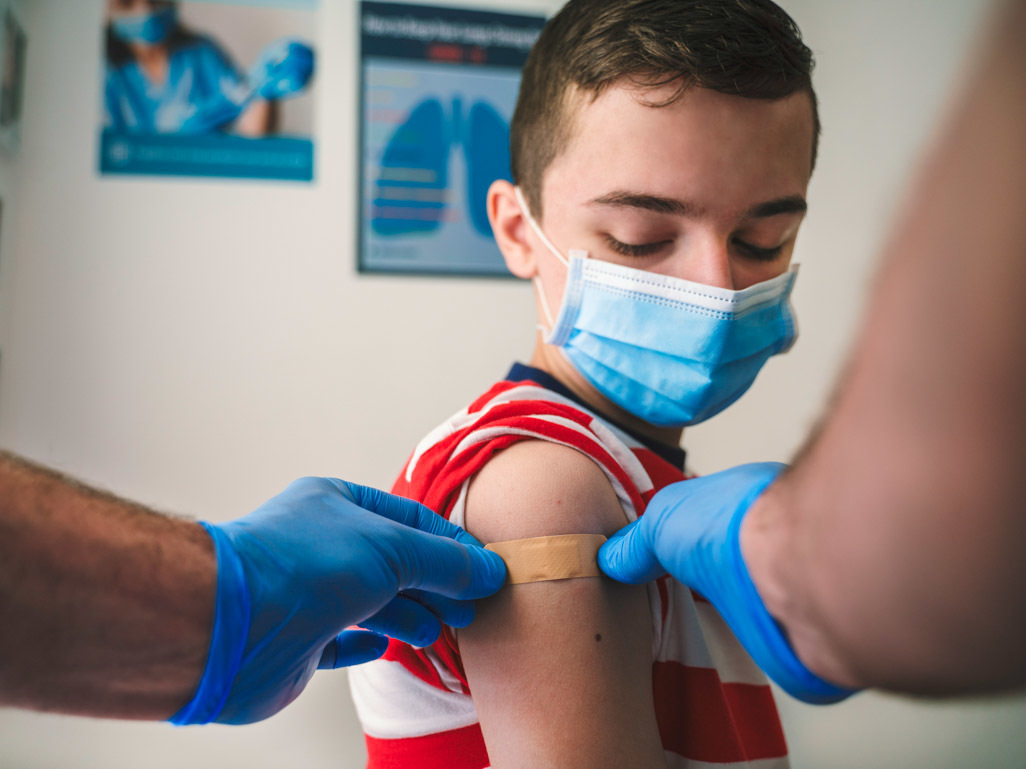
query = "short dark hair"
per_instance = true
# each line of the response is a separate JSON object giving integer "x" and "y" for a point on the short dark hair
{"x": 748, "y": 48}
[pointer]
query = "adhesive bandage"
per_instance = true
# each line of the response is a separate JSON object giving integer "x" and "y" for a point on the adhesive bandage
{"x": 541, "y": 559}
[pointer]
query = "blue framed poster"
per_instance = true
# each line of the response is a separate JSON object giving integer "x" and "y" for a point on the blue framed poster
{"x": 438, "y": 89}
{"x": 213, "y": 88}
{"x": 13, "y": 42}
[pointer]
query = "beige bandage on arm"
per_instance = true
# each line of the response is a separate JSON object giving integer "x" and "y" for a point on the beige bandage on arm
{"x": 540, "y": 559}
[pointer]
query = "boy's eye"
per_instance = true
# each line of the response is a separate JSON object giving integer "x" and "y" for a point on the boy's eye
{"x": 756, "y": 252}
{"x": 629, "y": 249}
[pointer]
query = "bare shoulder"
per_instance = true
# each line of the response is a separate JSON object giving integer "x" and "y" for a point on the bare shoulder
{"x": 537, "y": 488}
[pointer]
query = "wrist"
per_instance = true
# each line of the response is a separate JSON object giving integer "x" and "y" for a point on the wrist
{"x": 780, "y": 579}
{"x": 762, "y": 542}
{"x": 228, "y": 638}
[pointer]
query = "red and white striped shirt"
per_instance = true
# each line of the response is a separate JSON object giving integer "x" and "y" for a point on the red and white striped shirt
{"x": 713, "y": 705}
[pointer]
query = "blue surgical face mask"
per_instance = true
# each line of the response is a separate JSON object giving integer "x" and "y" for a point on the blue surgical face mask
{"x": 148, "y": 28}
{"x": 671, "y": 352}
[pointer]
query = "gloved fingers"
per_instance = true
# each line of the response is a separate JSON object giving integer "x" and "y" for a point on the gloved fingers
{"x": 406, "y": 620}
{"x": 448, "y": 610}
{"x": 444, "y": 567}
{"x": 284, "y": 68}
{"x": 628, "y": 557}
{"x": 402, "y": 510}
{"x": 427, "y": 557}
{"x": 352, "y": 647}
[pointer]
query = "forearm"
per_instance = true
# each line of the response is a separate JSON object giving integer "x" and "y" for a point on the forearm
{"x": 106, "y": 607}
{"x": 893, "y": 553}
{"x": 259, "y": 119}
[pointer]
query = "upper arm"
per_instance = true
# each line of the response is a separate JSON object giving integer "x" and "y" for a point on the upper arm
{"x": 257, "y": 119}
{"x": 560, "y": 671}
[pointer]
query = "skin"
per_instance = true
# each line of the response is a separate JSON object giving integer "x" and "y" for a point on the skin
{"x": 257, "y": 120}
{"x": 547, "y": 690}
{"x": 107, "y": 608}
{"x": 560, "y": 671}
{"x": 916, "y": 581}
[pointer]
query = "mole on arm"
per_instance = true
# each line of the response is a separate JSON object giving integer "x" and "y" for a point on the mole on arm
{"x": 598, "y": 636}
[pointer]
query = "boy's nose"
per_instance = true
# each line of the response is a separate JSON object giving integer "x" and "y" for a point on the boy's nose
{"x": 707, "y": 263}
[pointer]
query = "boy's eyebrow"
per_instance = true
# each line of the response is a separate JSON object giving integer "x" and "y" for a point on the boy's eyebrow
{"x": 791, "y": 204}
{"x": 661, "y": 205}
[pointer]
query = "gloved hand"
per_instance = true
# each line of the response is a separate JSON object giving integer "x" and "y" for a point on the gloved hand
{"x": 691, "y": 530}
{"x": 210, "y": 115}
{"x": 321, "y": 556}
{"x": 282, "y": 69}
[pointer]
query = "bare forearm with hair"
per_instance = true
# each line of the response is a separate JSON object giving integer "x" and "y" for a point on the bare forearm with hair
{"x": 894, "y": 552}
{"x": 106, "y": 608}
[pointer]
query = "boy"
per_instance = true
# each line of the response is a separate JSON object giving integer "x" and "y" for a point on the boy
{"x": 662, "y": 151}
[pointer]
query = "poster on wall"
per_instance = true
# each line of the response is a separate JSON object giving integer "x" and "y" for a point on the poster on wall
{"x": 438, "y": 89}
{"x": 212, "y": 88}
{"x": 13, "y": 44}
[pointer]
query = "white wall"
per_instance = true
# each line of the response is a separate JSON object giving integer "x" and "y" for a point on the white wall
{"x": 196, "y": 345}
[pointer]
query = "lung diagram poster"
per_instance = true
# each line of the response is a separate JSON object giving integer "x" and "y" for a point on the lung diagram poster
{"x": 439, "y": 86}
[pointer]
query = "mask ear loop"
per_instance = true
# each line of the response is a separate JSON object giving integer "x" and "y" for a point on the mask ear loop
{"x": 547, "y": 330}
{"x": 549, "y": 245}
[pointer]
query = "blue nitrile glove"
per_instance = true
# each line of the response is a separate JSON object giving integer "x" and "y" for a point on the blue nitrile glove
{"x": 214, "y": 113}
{"x": 691, "y": 530}
{"x": 321, "y": 556}
{"x": 282, "y": 69}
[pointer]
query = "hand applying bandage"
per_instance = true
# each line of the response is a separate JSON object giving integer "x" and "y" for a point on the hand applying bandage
{"x": 691, "y": 530}
{"x": 318, "y": 558}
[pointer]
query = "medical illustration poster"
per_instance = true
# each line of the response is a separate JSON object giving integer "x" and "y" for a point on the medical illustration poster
{"x": 13, "y": 43}
{"x": 212, "y": 88}
{"x": 439, "y": 86}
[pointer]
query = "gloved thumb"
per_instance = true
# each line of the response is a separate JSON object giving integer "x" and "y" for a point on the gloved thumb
{"x": 628, "y": 557}
{"x": 352, "y": 647}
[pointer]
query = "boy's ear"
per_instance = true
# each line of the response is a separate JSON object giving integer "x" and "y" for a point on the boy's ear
{"x": 511, "y": 229}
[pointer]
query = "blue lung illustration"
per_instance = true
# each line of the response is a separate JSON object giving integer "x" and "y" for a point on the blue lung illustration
{"x": 410, "y": 193}
{"x": 486, "y": 143}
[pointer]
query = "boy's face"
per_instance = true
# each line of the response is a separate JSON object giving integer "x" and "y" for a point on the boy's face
{"x": 710, "y": 189}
